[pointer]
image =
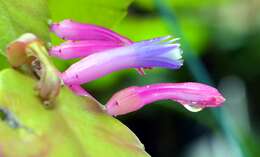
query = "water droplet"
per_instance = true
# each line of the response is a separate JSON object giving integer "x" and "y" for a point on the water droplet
{"x": 192, "y": 108}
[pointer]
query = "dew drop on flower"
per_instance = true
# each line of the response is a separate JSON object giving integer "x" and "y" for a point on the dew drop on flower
{"x": 192, "y": 108}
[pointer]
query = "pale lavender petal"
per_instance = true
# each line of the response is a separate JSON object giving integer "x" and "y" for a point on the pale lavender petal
{"x": 190, "y": 95}
{"x": 155, "y": 40}
{"x": 80, "y": 49}
{"x": 138, "y": 55}
{"x": 71, "y": 30}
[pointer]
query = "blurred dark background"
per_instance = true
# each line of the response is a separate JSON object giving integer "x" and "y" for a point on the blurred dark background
{"x": 221, "y": 46}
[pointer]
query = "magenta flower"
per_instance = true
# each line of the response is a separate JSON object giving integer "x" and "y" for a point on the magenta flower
{"x": 104, "y": 51}
{"x": 71, "y": 30}
{"x": 77, "y": 89}
{"x": 193, "y": 96}
{"x": 85, "y": 39}
{"x": 159, "y": 52}
{"x": 80, "y": 49}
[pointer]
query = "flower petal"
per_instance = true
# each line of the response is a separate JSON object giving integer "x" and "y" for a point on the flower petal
{"x": 193, "y": 96}
{"x": 77, "y": 89}
{"x": 71, "y": 30}
{"x": 80, "y": 49}
{"x": 138, "y": 55}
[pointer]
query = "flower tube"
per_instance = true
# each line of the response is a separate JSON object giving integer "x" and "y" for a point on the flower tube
{"x": 78, "y": 90}
{"x": 146, "y": 54}
{"x": 80, "y": 49}
{"x": 90, "y": 39}
{"x": 71, "y": 30}
{"x": 193, "y": 96}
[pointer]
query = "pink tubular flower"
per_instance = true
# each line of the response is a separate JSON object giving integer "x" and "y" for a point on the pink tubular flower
{"x": 85, "y": 39}
{"x": 77, "y": 89}
{"x": 193, "y": 96}
{"x": 159, "y": 52}
{"x": 104, "y": 51}
{"x": 71, "y": 30}
{"x": 80, "y": 49}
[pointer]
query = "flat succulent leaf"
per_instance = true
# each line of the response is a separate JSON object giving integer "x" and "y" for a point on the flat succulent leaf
{"x": 21, "y": 16}
{"x": 76, "y": 127}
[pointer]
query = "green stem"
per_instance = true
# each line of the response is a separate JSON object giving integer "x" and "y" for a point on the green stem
{"x": 49, "y": 84}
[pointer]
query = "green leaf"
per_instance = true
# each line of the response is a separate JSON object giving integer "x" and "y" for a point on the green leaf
{"x": 21, "y": 16}
{"x": 195, "y": 31}
{"x": 3, "y": 62}
{"x": 101, "y": 12}
{"x": 77, "y": 126}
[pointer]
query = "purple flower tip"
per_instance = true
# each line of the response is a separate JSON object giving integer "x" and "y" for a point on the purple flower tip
{"x": 193, "y": 96}
{"x": 159, "y": 52}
